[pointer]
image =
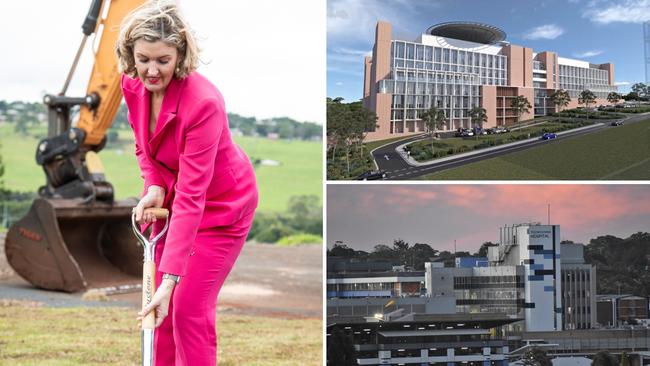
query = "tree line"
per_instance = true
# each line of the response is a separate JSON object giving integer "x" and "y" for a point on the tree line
{"x": 402, "y": 253}
{"x": 622, "y": 264}
{"x": 26, "y": 114}
{"x": 347, "y": 127}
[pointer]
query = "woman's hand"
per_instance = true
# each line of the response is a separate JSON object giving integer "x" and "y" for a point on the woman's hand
{"x": 154, "y": 198}
{"x": 159, "y": 302}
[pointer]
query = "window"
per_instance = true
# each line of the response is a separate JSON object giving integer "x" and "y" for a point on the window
{"x": 420, "y": 52}
{"x": 454, "y": 56}
{"x": 410, "y": 88}
{"x": 398, "y": 101}
{"x": 429, "y": 54}
{"x": 445, "y": 53}
{"x": 437, "y": 52}
{"x": 410, "y": 51}
{"x": 400, "y": 50}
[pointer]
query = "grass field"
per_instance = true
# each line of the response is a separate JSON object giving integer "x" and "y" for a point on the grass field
{"x": 616, "y": 153}
{"x": 109, "y": 336}
{"x": 300, "y": 172}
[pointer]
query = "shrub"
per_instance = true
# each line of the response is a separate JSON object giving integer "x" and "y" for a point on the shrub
{"x": 17, "y": 204}
{"x": 273, "y": 233}
{"x": 298, "y": 239}
{"x": 304, "y": 215}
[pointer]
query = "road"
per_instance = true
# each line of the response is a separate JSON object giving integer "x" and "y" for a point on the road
{"x": 398, "y": 169}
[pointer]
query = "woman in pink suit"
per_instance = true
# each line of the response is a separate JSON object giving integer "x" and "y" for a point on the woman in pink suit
{"x": 190, "y": 166}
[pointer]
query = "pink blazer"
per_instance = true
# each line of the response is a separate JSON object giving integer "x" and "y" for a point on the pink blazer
{"x": 209, "y": 181}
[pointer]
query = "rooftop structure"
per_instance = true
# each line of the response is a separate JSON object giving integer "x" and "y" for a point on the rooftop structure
{"x": 468, "y": 31}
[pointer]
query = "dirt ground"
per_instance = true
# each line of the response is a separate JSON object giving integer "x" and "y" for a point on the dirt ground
{"x": 267, "y": 280}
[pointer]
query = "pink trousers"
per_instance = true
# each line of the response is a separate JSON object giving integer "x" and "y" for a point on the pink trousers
{"x": 188, "y": 336}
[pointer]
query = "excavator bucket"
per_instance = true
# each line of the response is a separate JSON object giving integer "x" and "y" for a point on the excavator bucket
{"x": 70, "y": 245}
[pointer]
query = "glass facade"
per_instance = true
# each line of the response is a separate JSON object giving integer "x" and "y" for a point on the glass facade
{"x": 576, "y": 79}
{"x": 489, "y": 294}
{"x": 423, "y": 76}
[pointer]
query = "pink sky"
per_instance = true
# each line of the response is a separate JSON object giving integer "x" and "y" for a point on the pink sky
{"x": 472, "y": 213}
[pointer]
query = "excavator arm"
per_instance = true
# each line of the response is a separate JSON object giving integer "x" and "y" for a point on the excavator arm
{"x": 68, "y": 154}
{"x": 105, "y": 79}
{"x": 76, "y": 235}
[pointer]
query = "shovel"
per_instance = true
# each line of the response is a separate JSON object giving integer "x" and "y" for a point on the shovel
{"x": 149, "y": 281}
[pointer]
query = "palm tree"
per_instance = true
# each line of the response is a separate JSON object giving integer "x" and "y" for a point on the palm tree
{"x": 560, "y": 98}
{"x": 434, "y": 119}
{"x": 478, "y": 115}
{"x": 521, "y": 105}
{"x": 587, "y": 97}
{"x": 613, "y": 97}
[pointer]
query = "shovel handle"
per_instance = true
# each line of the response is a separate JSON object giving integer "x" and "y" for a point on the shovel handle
{"x": 148, "y": 287}
{"x": 159, "y": 212}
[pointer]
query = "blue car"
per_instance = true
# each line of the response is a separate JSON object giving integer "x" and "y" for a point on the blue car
{"x": 548, "y": 136}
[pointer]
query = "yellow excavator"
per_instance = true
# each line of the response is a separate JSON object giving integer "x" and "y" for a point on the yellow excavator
{"x": 76, "y": 236}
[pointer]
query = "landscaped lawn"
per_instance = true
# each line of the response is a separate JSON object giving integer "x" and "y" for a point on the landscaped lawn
{"x": 615, "y": 153}
{"x": 459, "y": 144}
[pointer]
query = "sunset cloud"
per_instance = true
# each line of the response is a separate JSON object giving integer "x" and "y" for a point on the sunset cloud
{"x": 472, "y": 213}
{"x": 571, "y": 205}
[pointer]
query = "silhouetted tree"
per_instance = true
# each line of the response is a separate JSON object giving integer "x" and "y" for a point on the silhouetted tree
{"x": 604, "y": 358}
{"x": 341, "y": 250}
{"x": 483, "y": 250}
{"x": 536, "y": 356}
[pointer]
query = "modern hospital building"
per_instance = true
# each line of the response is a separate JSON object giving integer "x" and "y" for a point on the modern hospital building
{"x": 457, "y": 66}
{"x": 529, "y": 275}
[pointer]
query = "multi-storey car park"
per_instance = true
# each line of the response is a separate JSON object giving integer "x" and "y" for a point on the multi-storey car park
{"x": 457, "y": 66}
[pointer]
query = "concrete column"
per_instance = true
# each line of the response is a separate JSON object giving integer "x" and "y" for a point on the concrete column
{"x": 520, "y": 65}
{"x": 379, "y": 70}
{"x": 489, "y": 102}
{"x": 367, "y": 71}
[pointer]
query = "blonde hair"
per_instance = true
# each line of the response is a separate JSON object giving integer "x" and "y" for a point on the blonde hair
{"x": 157, "y": 20}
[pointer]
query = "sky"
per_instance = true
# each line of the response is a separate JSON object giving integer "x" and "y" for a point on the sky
{"x": 364, "y": 215}
{"x": 267, "y": 57}
{"x": 597, "y": 31}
